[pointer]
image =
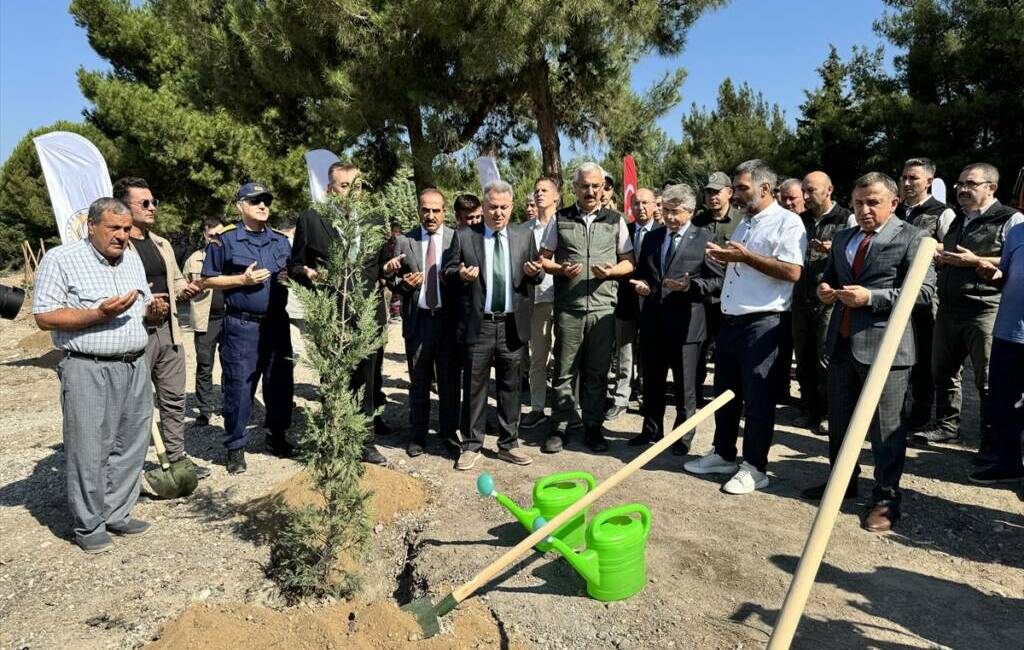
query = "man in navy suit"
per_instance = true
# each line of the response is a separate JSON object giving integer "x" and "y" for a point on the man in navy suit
{"x": 495, "y": 267}
{"x": 673, "y": 278}
{"x": 866, "y": 269}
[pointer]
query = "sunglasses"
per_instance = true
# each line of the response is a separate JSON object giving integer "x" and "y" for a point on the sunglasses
{"x": 256, "y": 200}
{"x": 145, "y": 204}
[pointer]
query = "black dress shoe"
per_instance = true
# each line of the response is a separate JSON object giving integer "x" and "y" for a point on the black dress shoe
{"x": 680, "y": 448}
{"x": 815, "y": 493}
{"x": 278, "y": 445}
{"x": 373, "y": 456}
{"x": 380, "y": 427}
{"x": 203, "y": 420}
{"x": 595, "y": 440}
{"x": 935, "y": 435}
{"x": 236, "y": 461}
{"x": 882, "y": 517}
{"x": 554, "y": 443}
{"x": 414, "y": 449}
{"x": 643, "y": 439}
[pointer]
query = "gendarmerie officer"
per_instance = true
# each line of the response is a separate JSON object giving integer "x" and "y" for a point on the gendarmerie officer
{"x": 250, "y": 266}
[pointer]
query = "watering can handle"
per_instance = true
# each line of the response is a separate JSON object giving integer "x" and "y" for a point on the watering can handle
{"x": 627, "y": 509}
{"x": 567, "y": 476}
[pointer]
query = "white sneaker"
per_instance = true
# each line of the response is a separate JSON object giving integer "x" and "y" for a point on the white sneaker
{"x": 710, "y": 463}
{"x": 746, "y": 480}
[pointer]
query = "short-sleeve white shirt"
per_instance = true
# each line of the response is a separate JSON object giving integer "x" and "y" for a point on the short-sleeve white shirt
{"x": 773, "y": 232}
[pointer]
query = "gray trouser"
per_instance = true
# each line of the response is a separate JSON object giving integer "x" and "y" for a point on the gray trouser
{"x": 583, "y": 346}
{"x": 810, "y": 327}
{"x": 167, "y": 369}
{"x": 541, "y": 328}
{"x": 624, "y": 361}
{"x": 958, "y": 336}
{"x": 108, "y": 410}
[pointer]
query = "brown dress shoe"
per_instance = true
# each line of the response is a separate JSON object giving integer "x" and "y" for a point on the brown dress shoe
{"x": 882, "y": 517}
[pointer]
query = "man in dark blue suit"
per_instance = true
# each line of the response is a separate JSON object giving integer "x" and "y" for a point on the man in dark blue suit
{"x": 866, "y": 268}
{"x": 673, "y": 278}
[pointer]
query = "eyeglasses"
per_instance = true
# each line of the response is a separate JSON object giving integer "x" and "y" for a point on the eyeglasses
{"x": 145, "y": 204}
{"x": 971, "y": 185}
{"x": 256, "y": 200}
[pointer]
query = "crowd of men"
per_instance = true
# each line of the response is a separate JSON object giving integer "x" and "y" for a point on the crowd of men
{"x": 583, "y": 309}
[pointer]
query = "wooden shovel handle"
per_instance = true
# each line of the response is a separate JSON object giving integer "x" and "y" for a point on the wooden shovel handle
{"x": 158, "y": 442}
{"x": 482, "y": 578}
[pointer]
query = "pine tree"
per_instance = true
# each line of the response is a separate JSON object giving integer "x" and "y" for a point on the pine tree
{"x": 341, "y": 331}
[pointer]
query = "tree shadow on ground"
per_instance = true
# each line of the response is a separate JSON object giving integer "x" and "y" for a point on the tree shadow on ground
{"x": 43, "y": 493}
{"x": 942, "y": 612}
{"x": 505, "y": 535}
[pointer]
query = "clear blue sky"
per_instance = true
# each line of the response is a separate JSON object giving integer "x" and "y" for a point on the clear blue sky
{"x": 775, "y": 45}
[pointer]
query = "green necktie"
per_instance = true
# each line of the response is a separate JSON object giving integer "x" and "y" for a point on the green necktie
{"x": 498, "y": 276}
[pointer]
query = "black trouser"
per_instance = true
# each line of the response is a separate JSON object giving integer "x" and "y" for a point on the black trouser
{"x": 662, "y": 351}
{"x": 206, "y": 349}
{"x": 922, "y": 384}
{"x": 713, "y": 321}
{"x": 749, "y": 361}
{"x": 887, "y": 432}
{"x": 491, "y": 349}
{"x": 379, "y": 398}
{"x": 810, "y": 324}
{"x": 431, "y": 352}
{"x": 1006, "y": 402}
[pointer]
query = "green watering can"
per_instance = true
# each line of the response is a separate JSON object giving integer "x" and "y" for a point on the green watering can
{"x": 613, "y": 564}
{"x": 551, "y": 495}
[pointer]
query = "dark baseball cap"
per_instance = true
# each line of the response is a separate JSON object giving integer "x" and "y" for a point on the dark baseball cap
{"x": 250, "y": 190}
{"x": 608, "y": 179}
{"x": 717, "y": 181}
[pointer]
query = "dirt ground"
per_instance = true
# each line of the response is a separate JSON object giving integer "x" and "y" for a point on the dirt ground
{"x": 952, "y": 576}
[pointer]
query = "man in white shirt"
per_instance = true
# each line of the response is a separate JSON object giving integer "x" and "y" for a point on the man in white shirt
{"x": 546, "y": 197}
{"x": 427, "y": 323}
{"x": 764, "y": 259}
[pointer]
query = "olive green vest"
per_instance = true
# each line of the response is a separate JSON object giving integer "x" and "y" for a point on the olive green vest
{"x": 587, "y": 246}
{"x": 959, "y": 288}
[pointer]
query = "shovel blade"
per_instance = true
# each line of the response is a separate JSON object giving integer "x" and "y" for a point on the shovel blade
{"x": 173, "y": 483}
{"x": 426, "y": 615}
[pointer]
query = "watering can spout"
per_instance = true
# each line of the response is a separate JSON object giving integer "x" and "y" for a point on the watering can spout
{"x": 585, "y": 562}
{"x": 524, "y": 515}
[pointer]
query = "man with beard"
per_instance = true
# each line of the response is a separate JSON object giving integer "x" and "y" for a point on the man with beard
{"x": 764, "y": 259}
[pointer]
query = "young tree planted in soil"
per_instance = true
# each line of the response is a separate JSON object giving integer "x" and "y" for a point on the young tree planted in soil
{"x": 340, "y": 332}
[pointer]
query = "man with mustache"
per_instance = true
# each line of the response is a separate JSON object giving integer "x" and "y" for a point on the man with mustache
{"x": 93, "y": 295}
{"x": 764, "y": 258}
{"x": 967, "y": 303}
{"x": 587, "y": 251}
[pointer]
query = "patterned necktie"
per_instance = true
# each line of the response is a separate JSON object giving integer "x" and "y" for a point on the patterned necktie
{"x": 431, "y": 273}
{"x": 858, "y": 265}
{"x": 498, "y": 276}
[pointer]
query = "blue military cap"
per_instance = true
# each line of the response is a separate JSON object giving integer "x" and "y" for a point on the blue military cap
{"x": 250, "y": 190}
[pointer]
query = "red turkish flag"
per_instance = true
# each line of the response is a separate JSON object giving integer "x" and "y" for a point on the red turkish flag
{"x": 628, "y": 185}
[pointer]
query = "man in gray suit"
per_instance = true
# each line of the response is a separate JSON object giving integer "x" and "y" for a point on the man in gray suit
{"x": 866, "y": 268}
{"x": 495, "y": 267}
{"x": 426, "y": 322}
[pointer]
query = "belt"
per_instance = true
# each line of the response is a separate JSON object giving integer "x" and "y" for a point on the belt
{"x": 246, "y": 315}
{"x": 128, "y": 357}
{"x": 433, "y": 311}
{"x": 495, "y": 318}
{"x": 748, "y": 318}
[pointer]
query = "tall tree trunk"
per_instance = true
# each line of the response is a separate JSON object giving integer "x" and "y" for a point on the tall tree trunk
{"x": 544, "y": 114}
{"x": 423, "y": 151}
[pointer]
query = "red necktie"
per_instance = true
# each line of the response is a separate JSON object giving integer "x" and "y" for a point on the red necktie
{"x": 858, "y": 264}
{"x": 431, "y": 273}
